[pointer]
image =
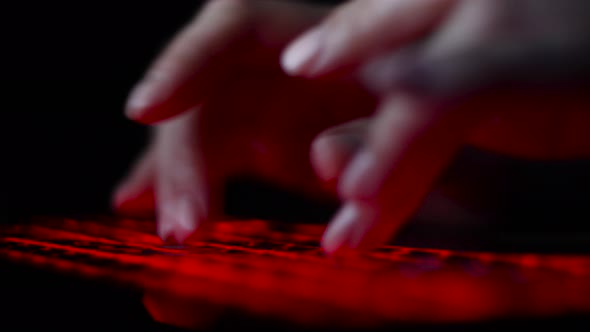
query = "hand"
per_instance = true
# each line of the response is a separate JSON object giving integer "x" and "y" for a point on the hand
{"x": 222, "y": 106}
{"x": 497, "y": 74}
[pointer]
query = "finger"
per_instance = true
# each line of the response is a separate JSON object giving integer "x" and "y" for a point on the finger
{"x": 188, "y": 67}
{"x": 410, "y": 143}
{"x": 135, "y": 195}
{"x": 181, "y": 187}
{"x": 361, "y": 29}
{"x": 200, "y": 57}
{"x": 332, "y": 149}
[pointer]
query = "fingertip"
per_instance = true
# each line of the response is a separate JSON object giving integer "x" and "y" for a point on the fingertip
{"x": 178, "y": 219}
{"x": 164, "y": 230}
{"x": 156, "y": 99}
{"x": 171, "y": 234}
{"x": 300, "y": 56}
{"x": 350, "y": 230}
{"x": 362, "y": 237}
{"x": 139, "y": 101}
{"x": 188, "y": 216}
{"x": 337, "y": 234}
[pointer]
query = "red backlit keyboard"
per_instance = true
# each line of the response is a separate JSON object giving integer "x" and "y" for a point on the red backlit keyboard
{"x": 277, "y": 270}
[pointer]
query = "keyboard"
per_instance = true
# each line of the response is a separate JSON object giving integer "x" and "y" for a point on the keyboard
{"x": 279, "y": 271}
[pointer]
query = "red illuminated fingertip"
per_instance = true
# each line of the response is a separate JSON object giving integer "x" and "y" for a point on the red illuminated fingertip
{"x": 350, "y": 229}
{"x": 150, "y": 104}
{"x": 338, "y": 232}
{"x": 301, "y": 57}
{"x": 174, "y": 235}
{"x": 165, "y": 232}
{"x": 178, "y": 218}
{"x": 143, "y": 96}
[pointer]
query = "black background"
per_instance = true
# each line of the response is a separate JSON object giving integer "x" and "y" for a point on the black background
{"x": 67, "y": 69}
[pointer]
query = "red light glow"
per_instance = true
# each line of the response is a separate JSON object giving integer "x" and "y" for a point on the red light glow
{"x": 255, "y": 267}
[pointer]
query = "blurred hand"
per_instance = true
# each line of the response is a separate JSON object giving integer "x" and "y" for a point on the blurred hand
{"x": 221, "y": 106}
{"x": 505, "y": 75}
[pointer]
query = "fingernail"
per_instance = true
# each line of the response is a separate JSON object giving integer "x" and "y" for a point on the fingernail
{"x": 350, "y": 227}
{"x": 299, "y": 56}
{"x": 177, "y": 219}
{"x": 337, "y": 235}
{"x": 140, "y": 98}
{"x": 151, "y": 90}
{"x": 362, "y": 178}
